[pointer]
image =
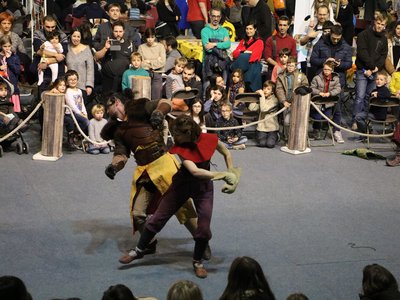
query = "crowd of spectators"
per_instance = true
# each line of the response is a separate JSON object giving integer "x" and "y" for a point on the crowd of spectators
{"x": 246, "y": 281}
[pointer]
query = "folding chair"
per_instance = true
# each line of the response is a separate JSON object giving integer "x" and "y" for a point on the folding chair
{"x": 389, "y": 123}
{"x": 324, "y": 101}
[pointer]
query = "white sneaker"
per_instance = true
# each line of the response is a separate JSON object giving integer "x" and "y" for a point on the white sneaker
{"x": 337, "y": 135}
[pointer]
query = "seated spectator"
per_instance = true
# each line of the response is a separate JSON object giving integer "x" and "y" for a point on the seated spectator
{"x": 378, "y": 113}
{"x": 286, "y": 84}
{"x": 280, "y": 63}
{"x": 74, "y": 98}
{"x": 174, "y": 80}
{"x": 246, "y": 280}
{"x": 51, "y": 45}
{"x": 267, "y": 131}
{"x": 121, "y": 292}
{"x": 394, "y": 85}
{"x": 237, "y": 85}
{"x": 135, "y": 69}
{"x": 247, "y": 56}
{"x": 326, "y": 84}
{"x": 96, "y": 124}
{"x": 8, "y": 118}
{"x": 184, "y": 290}
{"x": 232, "y": 138}
{"x": 197, "y": 113}
{"x": 218, "y": 80}
{"x": 190, "y": 79}
{"x": 212, "y": 106}
{"x": 12, "y": 287}
{"x": 90, "y": 10}
{"x": 379, "y": 284}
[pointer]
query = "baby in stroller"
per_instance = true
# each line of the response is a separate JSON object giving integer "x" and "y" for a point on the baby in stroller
{"x": 9, "y": 120}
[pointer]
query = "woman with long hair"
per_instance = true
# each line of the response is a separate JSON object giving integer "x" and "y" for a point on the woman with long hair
{"x": 246, "y": 281}
{"x": 247, "y": 56}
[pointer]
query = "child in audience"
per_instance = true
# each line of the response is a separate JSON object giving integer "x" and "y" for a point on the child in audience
{"x": 326, "y": 84}
{"x": 8, "y": 118}
{"x": 237, "y": 85}
{"x": 10, "y": 68}
{"x": 51, "y": 45}
{"x": 378, "y": 113}
{"x": 174, "y": 80}
{"x": 232, "y": 138}
{"x": 197, "y": 113}
{"x": 281, "y": 63}
{"x": 74, "y": 99}
{"x": 267, "y": 131}
{"x": 59, "y": 86}
{"x": 286, "y": 84}
{"x": 378, "y": 283}
{"x": 96, "y": 124}
{"x": 212, "y": 107}
{"x": 135, "y": 69}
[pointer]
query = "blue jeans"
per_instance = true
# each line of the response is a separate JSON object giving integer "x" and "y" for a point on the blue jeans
{"x": 241, "y": 140}
{"x": 364, "y": 87}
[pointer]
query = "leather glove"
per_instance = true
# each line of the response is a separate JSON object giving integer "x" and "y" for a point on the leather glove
{"x": 110, "y": 171}
{"x": 156, "y": 119}
{"x": 228, "y": 177}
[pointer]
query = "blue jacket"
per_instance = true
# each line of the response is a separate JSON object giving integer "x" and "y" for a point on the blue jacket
{"x": 324, "y": 49}
{"x": 14, "y": 69}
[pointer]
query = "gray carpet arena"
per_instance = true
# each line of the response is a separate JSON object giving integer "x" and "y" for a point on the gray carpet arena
{"x": 312, "y": 221}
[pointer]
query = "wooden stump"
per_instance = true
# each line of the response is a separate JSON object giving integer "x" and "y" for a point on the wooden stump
{"x": 53, "y": 121}
{"x": 300, "y": 110}
{"x": 141, "y": 86}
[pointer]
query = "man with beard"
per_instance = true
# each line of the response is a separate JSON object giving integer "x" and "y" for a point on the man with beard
{"x": 39, "y": 37}
{"x": 136, "y": 127}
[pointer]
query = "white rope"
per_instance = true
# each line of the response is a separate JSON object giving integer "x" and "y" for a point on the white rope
{"x": 80, "y": 129}
{"x": 269, "y": 116}
{"x": 12, "y": 132}
{"x": 346, "y": 129}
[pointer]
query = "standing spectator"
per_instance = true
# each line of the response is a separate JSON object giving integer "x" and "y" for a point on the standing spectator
{"x": 247, "y": 56}
{"x": 370, "y": 7}
{"x": 235, "y": 16}
{"x": 334, "y": 48}
{"x": 274, "y": 44}
{"x": 345, "y": 16}
{"x": 392, "y": 62}
{"x": 246, "y": 280}
{"x": 312, "y": 35}
{"x": 197, "y": 16}
{"x": 154, "y": 57}
{"x": 216, "y": 41}
{"x": 171, "y": 47}
{"x": 261, "y": 15}
{"x": 105, "y": 30}
{"x": 80, "y": 59}
{"x": 39, "y": 37}
{"x": 372, "y": 50}
{"x": 183, "y": 24}
{"x": 168, "y": 12}
{"x": 116, "y": 59}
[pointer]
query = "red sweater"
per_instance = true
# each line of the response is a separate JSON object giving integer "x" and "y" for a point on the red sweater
{"x": 281, "y": 43}
{"x": 257, "y": 48}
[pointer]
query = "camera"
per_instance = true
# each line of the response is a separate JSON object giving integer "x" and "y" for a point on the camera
{"x": 115, "y": 45}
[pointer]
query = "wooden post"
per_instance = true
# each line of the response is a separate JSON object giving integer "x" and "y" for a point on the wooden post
{"x": 53, "y": 121}
{"x": 299, "y": 113}
{"x": 141, "y": 87}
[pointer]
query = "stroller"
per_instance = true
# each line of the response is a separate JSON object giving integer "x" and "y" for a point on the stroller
{"x": 9, "y": 122}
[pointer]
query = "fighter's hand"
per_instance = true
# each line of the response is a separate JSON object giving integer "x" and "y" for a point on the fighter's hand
{"x": 228, "y": 177}
{"x": 110, "y": 171}
{"x": 156, "y": 119}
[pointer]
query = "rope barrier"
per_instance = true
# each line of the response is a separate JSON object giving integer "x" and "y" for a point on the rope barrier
{"x": 346, "y": 129}
{"x": 26, "y": 120}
